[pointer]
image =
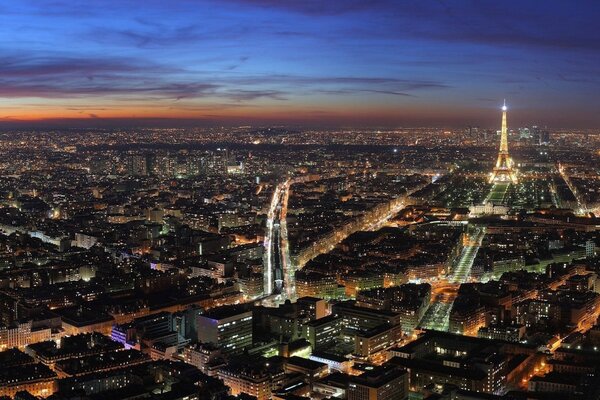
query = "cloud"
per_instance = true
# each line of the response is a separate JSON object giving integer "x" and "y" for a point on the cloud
{"x": 360, "y": 80}
{"x": 52, "y": 76}
{"x": 176, "y": 91}
{"x": 343, "y": 84}
{"x": 317, "y": 7}
{"x": 246, "y": 95}
{"x": 338, "y": 92}
{"x": 64, "y": 77}
{"x": 35, "y": 65}
{"x": 149, "y": 36}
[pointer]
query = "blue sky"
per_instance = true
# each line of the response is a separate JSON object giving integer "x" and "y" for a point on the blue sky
{"x": 377, "y": 62}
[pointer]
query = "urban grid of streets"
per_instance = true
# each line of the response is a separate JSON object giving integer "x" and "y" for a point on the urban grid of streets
{"x": 280, "y": 271}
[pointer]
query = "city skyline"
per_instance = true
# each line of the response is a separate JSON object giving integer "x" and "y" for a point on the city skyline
{"x": 255, "y": 62}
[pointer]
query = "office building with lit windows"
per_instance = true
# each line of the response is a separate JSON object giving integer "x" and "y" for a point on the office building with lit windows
{"x": 356, "y": 319}
{"x": 373, "y": 341}
{"x": 229, "y": 327}
{"x": 323, "y": 332}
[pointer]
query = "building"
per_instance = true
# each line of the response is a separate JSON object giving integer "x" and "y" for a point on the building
{"x": 204, "y": 356}
{"x": 84, "y": 240}
{"x": 37, "y": 379}
{"x": 323, "y": 333}
{"x": 100, "y": 382}
{"x": 509, "y": 333}
{"x": 139, "y": 165}
{"x": 488, "y": 208}
{"x": 312, "y": 307}
{"x": 334, "y": 385}
{"x": 590, "y": 249}
{"x": 356, "y": 319}
{"x": 155, "y": 334}
{"x": 335, "y": 362}
{"x": 229, "y": 327}
{"x": 361, "y": 280}
{"x": 105, "y": 361}
{"x": 76, "y": 320}
{"x": 371, "y": 342}
{"x": 68, "y": 347}
{"x": 555, "y": 382}
{"x": 312, "y": 369}
{"x": 466, "y": 319}
{"x": 21, "y": 334}
{"x": 558, "y": 308}
{"x": 381, "y": 383}
{"x": 249, "y": 379}
{"x": 312, "y": 284}
{"x": 252, "y": 286}
{"x": 469, "y": 363}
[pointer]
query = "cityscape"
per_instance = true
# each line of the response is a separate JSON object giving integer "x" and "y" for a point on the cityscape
{"x": 180, "y": 231}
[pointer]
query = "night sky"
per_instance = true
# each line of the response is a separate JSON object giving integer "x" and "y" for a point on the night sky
{"x": 325, "y": 62}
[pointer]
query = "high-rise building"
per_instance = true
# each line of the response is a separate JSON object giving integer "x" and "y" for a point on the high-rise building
{"x": 590, "y": 249}
{"x": 138, "y": 165}
{"x": 504, "y": 169}
{"x": 164, "y": 166}
{"x": 536, "y": 133}
{"x": 545, "y": 138}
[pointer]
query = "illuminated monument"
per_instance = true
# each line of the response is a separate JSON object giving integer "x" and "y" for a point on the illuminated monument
{"x": 504, "y": 171}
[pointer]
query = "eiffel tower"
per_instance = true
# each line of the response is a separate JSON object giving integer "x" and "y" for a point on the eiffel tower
{"x": 504, "y": 171}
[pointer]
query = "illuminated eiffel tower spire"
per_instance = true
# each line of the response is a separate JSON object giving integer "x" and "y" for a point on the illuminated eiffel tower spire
{"x": 504, "y": 171}
{"x": 504, "y": 135}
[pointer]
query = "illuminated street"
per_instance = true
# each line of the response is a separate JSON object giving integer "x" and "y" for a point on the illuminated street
{"x": 462, "y": 270}
{"x": 271, "y": 239}
{"x": 438, "y": 314}
{"x": 279, "y": 271}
